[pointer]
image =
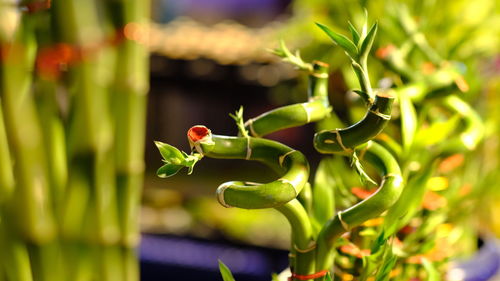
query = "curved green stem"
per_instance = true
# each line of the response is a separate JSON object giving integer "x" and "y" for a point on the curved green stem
{"x": 302, "y": 240}
{"x": 410, "y": 27}
{"x": 289, "y": 162}
{"x": 387, "y": 194}
{"x": 317, "y": 107}
{"x": 306, "y": 197}
{"x": 344, "y": 140}
{"x": 473, "y": 130}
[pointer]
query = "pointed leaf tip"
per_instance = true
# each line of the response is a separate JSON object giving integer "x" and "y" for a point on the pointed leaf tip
{"x": 340, "y": 40}
{"x": 168, "y": 170}
{"x": 225, "y": 272}
{"x": 354, "y": 33}
{"x": 170, "y": 153}
{"x": 368, "y": 41}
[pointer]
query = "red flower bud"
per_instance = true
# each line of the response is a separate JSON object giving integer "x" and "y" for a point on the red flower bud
{"x": 197, "y": 133}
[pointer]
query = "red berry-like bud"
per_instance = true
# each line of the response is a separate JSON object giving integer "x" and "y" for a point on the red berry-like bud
{"x": 197, "y": 133}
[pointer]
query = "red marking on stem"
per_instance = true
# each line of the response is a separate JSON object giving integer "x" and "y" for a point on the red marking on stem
{"x": 309, "y": 276}
{"x": 407, "y": 229}
{"x": 197, "y": 133}
{"x": 51, "y": 60}
{"x": 36, "y": 6}
{"x": 384, "y": 52}
{"x": 451, "y": 163}
{"x": 428, "y": 67}
{"x": 354, "y": 251}
{"x": 362, "y": 193}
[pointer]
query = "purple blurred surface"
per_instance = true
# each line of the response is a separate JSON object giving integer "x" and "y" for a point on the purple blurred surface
{"x": 484, "y": 264}
{"x": 258, "y": 10}
{"x": 176, "y": 258}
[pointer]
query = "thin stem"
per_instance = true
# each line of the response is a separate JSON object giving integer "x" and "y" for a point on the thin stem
{"x": 25, "y": 138}
{"x": 90, "y": 133}
{"x": 14, "y": 254}
{"x": 387, "y": 194}
{"x": 302, "y": 242}
{"x": 315, "y": 109}
{"x": 6, "y": 173}
{"x": 130, "y": 89}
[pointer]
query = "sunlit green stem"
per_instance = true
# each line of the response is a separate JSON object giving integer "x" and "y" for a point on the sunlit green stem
{"x": 130, "y": 89}
{"x": 389, "y": 191}
{"x": 473, "y": 128}
{"x": 6, "y": 173}
{"x": 290, "y": 163}
{"x": 14, "y": 255}
{"x": 344, "y": 140}
{"x": 304, "y": 247}
{"x": 90, "y": 132}
{"x": 410, "y": 27}
{"x": 317, "y": 107}
{"x": 24, "y": 134}
{"x": 54, "y": 140}
{"x": 361, "y": 71}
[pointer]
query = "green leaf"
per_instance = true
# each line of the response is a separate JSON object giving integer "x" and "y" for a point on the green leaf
{"x": 168, "y": 170}
{"x": 240, "y": 123}
{"x": 344, "y": 178}
{"x": 365, "y": 25}
{"x": 432, "y": 272}
{"x": 354, "y": 33}
{"x": 379, "y": 243}
{"x": 328, "y": 277}
{"x": 191, "y": 160}
{"x": 379, "y": 250}
{"x": 287, "y": 56}
{"x": 340, "y": 40}
{"x": 437, "y": 131}
{"x": 275, "y": 277}
{"x": 368, "y": 41}
{"x": 408, "y": 120}
{"x": 408, "y": 203}
{"x": 362, "y": 94}
{"x": 284, "y": 49}
{"x": 170, "y": 153}
{"x": 360, "y": 170}
{"x": 225, "y": 272}
{"x": 385, "y": 271}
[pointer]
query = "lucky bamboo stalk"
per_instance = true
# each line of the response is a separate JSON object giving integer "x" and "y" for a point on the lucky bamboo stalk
{"x": 383, "y": 233}
{"x": 311, "y": 254}
{"x": 317, "y": 107}
{"x": 58, "y": 163}
{"x": 129, "y": 89}
{"x": 24, "y": 134}
{"x": 6, "y": 174}
{"x": 389, "y": 191}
